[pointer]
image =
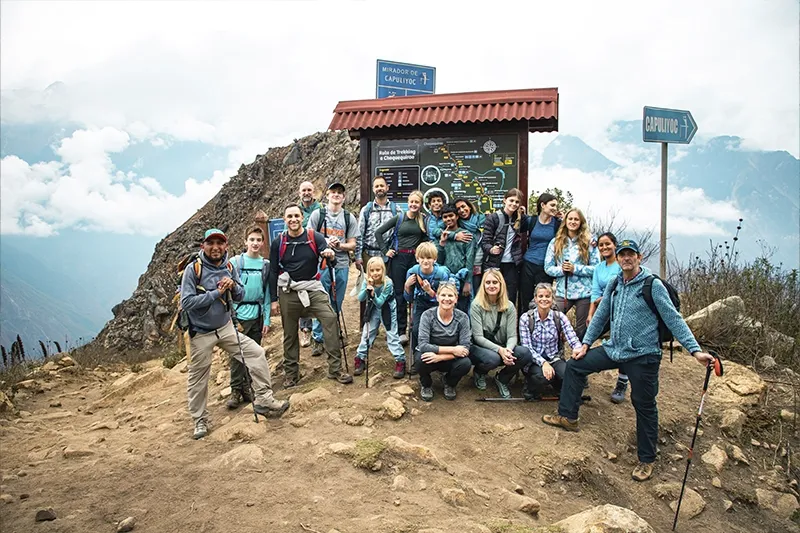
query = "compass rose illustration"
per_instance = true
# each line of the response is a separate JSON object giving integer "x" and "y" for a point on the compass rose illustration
{"x": 489, "y": 146}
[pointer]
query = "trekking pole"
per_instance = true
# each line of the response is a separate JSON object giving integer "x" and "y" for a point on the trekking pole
{"x": 235, "y": 321}
{"x": 367, "y": 321}
{"x": 339, "y": 318}
{"x": 716, "y": 366}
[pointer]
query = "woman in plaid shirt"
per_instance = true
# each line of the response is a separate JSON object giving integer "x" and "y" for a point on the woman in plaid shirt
{"x": 540, "y": 334}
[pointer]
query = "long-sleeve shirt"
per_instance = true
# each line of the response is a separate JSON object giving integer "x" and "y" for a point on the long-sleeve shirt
{"x": 434, "y": 333}
{"x": 579, "y": 284}
{"x": 201, "y": 299}
{"x": 634, "y": 327}
{"x": 456, "y": 255}
{"x": 543, "y": 343}
{"x": 484, "y": 321}
{"x": 438, "y": 274}
{"x": 381, "y": 292}
{"x": 256, "y": 298}
{"x": 434, "y": 227}
{"x": 603, "y": 273}
{"x": 409, "y": 234}
{"x": 299, "y": 259}
{"x": 377, "y": 215}
{"x": 308, "y": 210}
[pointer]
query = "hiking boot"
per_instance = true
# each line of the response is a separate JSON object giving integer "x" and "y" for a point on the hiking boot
{"x": 561, "y": 422}
{"x": 341, "y": 377}
{"x": 449, "y": 392}
{"x": 271, "y": 408}
{"x": 618, "y": 396}
{"x": 411, "y": 368}
{"x": 404, "y": 339}
{"x": 236, "y": 399}
{"x": 528, "y": 392}
{"x": 305, "y": 338}
{"x": 290, "y": 382}
{"x": 426, "y": 393}
{"x": 642, "y": 472}
{"x": 502, "y": 389}
{"x": 358, "y": 366}
{"x": 399, "y": 370}
{"x": 318, "y": 348}
{"x": 480, "y": 380}
{"x": 200, "y": 429}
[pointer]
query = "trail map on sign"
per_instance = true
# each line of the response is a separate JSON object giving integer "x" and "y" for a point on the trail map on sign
{"x": 479, "y": 168}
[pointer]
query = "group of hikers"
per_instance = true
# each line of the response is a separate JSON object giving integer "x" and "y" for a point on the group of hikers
{"x": 487, "y": 292}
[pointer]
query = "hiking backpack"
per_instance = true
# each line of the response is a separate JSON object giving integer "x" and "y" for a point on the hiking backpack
{"x": 323, "y": 221}
{"x": 559, "y": 326}
{"x": 284, "y": 243}
{"x": 664, "y": 333}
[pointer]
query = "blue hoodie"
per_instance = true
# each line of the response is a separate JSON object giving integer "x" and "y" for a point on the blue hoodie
{"x": 634, "y": 329}
{"x": 206, "y": 309}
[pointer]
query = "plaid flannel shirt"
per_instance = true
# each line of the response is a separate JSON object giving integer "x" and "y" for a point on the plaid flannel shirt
{"x": 543, "y": 344}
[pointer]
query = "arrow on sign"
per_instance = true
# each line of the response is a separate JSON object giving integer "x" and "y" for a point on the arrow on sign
{"x": 668, "y": 125}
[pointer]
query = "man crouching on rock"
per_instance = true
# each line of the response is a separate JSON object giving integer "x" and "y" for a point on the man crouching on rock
{"x": 204, "y": 298}
{"x": 297, "y": 292}
{"x": 634, "y": 348}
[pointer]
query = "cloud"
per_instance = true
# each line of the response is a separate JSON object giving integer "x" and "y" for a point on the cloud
{"x": 84, "y": 190}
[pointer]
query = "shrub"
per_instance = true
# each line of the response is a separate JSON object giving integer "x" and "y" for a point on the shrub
{"x": 172, "y": 358}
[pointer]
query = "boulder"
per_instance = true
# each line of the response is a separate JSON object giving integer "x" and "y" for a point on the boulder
{"x": 738, "y": 388}
{"x": 715, "y": 457}
{"x": 30, "y": 385}
{"x": 413, "y": 452}
{"x": 66, "y": 361}
{"x": 5, "y": 403}
{"x": 244, "y": 431}
{"x": 342, "y": 448}
{"x": 126, "y": 525}
{"x": 405, "y": 390}
{"x": 523, "y": 504}
{"x": 783, "y": 504}
{"x": 400, "y": 482}
{"x": 787, "y": 415}
{"x": 49, "y": 366}
{"x": 732, "y": 422}
{"x": 706, "y": 322}
{"x": 603, "y": 519}
{"x": 736, "y": 453}
{"x": 74, "y": 451}
{"x": 393, "y": 408}
{"x": 245, "y": 456}
{"x": 304, "y": 401}
{"x": 45, "y": 515}
{"x": 692, "y": 504}
{"x": 455, "y": 497}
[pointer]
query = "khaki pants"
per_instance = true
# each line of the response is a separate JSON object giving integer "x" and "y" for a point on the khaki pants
{"x": 200, "y": 367}
{"x": 320, "y": 308}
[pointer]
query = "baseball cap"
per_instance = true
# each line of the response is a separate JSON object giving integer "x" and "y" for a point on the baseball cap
{"x": 214, "y": 232}
{"x": 336, "y": 185}
{"x": 628, "y": 244}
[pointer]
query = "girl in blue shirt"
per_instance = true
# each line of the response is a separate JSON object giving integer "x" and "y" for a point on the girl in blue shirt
{"x": 541, "y": 227}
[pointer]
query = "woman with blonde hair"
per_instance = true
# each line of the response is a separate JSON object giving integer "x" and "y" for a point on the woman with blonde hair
{"x": 494, "y": 335}
{"x": 571, "y": 258}
{"x": 444, "y": 343}
{"x": 408, "y": 230}
{"x": 501, "y": 242}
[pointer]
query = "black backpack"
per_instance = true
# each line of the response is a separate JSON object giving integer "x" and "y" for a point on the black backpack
{"x": 664, "y": 334}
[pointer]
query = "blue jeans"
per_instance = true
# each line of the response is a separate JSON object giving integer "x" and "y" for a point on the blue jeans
{"x": 341, "y": 287}
{"x": 387, "y": 315}
{"x": 643, "y": 374}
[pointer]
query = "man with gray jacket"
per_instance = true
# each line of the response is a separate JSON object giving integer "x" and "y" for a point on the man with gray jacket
{"x": 204, "y": 297}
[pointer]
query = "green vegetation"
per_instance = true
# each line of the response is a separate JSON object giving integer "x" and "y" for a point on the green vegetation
{"x": 367, "y": 452}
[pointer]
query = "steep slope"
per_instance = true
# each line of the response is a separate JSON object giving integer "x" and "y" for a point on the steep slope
{"x": 141, "y": 322}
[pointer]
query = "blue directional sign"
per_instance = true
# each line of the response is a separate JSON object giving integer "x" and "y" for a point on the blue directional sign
{"x": 668, "y": 126}
{"x": 404, "y": 79}
{"x": 276, "y": 227}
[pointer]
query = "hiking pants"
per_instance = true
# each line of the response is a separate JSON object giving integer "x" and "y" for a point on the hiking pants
{"x": 386, "y": 315}
{"x": 510, "y": 273}
{"x": 398, "y": 267}
{"x": 320, "y": 308}
{"x": 530, "y": 276}
{"x": 581, "y": 312}
{"x": 453, "y": 370}
{"x": 485, "y": 360}
{"x": 199, "y": 368}
{"x": 643, "y": 374}
{"x": 537, "y": 382}
{"x": 342, "y": 275}
{"x": 252, "y": 329}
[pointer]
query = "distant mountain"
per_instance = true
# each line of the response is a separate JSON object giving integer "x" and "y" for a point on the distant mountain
{"x": 571, "y": 152}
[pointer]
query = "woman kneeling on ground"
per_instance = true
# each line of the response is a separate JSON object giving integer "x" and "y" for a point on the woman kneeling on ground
{"x": 444, "y": 343}
{"x": 542, "y": 330}
{"x": 494, "y": 334}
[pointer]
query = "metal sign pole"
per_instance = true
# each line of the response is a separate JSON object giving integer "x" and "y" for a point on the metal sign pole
{"x": 663, "y": 246}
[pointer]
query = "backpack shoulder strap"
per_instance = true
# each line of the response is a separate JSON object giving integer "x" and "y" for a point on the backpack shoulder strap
{"x": 530, "y": 313}
{"x": 323, "y": 221}
{"x": 198, "y": 268}
{"x": 647, "y": 293}
{"x": 282, "y": 246}
{"x": 312, "y": 240}
{"x": 264, "y": 273}
{"x": 497, "y": 324}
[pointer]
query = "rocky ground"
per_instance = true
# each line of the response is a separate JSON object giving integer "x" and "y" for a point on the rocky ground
{"x": 93, "y": 447}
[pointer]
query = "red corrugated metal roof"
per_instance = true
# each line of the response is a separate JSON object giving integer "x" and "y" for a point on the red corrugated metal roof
{"x": 486, "y": 106}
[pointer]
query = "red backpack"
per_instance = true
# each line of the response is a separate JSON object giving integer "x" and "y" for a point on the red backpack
{"x": 284, "y": 242}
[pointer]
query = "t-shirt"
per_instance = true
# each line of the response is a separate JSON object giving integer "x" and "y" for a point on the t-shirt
{"x": 601, "y": 276}
{"x": 299, "y": 260}
{"x": 409, "y": 235}
{"x": 335, "y": 225}
{"x": 541, "y": 235}
{"x": 510, "y": 234}
{"x": 250, "y": 276}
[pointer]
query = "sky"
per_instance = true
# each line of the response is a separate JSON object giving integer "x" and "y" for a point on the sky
{"x": 244, "y": 77}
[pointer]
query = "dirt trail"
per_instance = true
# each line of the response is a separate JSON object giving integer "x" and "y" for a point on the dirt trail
{"x": 277, "y": 475}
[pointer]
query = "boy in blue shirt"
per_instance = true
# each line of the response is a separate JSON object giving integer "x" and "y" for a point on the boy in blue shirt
{"x": 252, "y": 313}
{"x": 458, "y": 256}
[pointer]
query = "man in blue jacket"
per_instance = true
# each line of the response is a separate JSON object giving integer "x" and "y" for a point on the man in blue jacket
{"x": 633, "y": 347}
{"x": 204, "y": 289}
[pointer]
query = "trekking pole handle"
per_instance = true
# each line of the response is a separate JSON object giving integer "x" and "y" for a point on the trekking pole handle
{"x": 716, "y": 363}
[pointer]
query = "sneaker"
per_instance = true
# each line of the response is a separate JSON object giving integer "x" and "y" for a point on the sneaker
{"x": 358, "y": 366}
{"x": 449, "y": 392}
{"x": 341, "y": 377}
{"x": 200, "y": 429}
{"x": 426, "y": 393}
{"x": 618, "y": 396}
{"x": 404, "y": 339}
{"x": 642, "y": 472}
{"x": 305, "y": 338}
{"x": 318, "y": 348}
{"x": 502, "y": 389}
{"x": 480, "y": 380}
{"x": 399, "y": 370}
{"x": 235, "y": 399}
{"x": 561, "y": 422}
{"x": 529, "y": 393}
{"x": 271, "y": 409}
